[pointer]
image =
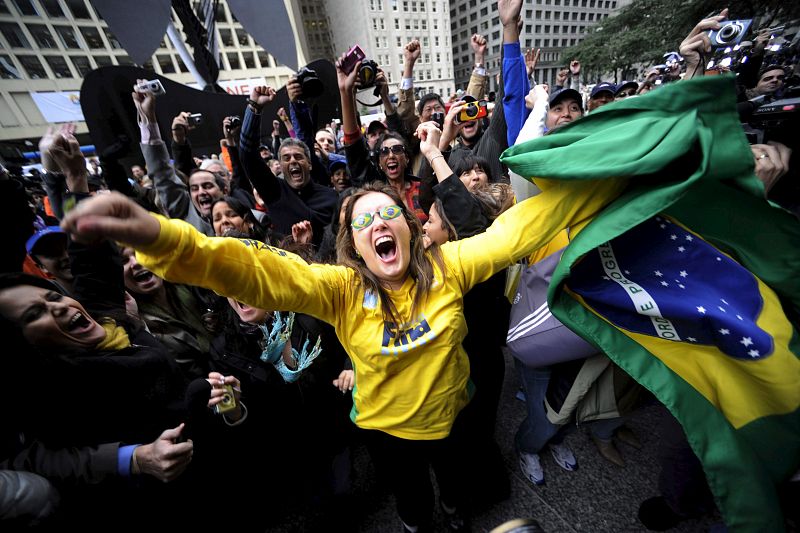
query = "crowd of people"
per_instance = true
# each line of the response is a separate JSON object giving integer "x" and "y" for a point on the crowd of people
{"x": 201, "y": 324}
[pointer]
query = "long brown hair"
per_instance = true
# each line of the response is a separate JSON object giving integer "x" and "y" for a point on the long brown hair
{"x": 420, "y": 265}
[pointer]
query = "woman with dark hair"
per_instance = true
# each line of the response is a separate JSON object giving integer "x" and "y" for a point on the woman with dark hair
{"x": 392, "y": 157}
{"x": 97, "y": 386}
{"x": 230, "y": 214}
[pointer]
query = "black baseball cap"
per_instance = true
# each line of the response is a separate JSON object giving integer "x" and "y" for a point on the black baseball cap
{"x": 562, "y": 94}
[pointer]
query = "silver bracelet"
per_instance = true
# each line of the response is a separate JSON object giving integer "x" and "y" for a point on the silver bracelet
{"x": 434, "y": 159}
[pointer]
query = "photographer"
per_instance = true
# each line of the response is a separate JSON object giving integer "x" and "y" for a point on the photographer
{"x": 194, "y": 207}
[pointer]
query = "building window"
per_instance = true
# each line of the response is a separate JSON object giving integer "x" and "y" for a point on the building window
{"x": 25, "y": 7}
{"x": 165, "y": 64}
{"x": 92, "y": 37}
{"x": 13, "y": 34}
{"x": 83, "y": 66}
{"x": 112, "y": 40}
{"x": 4, "y": 9}
{"x": 67, "y": 36}
{"x": 42, "y": 36}
{"x": 557, "y": 15}
{"x": 249, "y": 60}
{"x": 125, "y": 60}
{"x": 78, "y": 9}
{"x": 233, "y": 60}
{"x": 397, "y": 24}
{"x": 226, "y": 36}
{"x": 59, "y": 66}
{"x": 33, "y": 67}
{"x": 241, "y": 36}
{"x": 263, "y": 58}
{"x": 7, "y": 69}
{"x": 219, "y": 14}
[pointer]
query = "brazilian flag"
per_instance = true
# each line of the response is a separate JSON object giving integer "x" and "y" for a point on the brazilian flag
{"x": 690, "y": 281}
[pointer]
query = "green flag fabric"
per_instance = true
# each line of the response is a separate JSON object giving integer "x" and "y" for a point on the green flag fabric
{"x": 688, "y": 281}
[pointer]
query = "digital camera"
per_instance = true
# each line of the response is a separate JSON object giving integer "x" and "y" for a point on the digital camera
{"x": 353, "y": 56}
{"x": 367, "y": 73}
{"x": 151, "y": 86}
{"x": 472, "y": 111}
{"x": 730, "y": 33}
{"x": 228, "y": 402}
{"x": 195, "y": 119}
{"x": 310, "y": 82}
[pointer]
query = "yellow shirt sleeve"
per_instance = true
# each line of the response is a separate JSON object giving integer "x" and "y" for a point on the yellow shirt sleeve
{"x": 527, "y": 226}
{"x": 247, "y": 270}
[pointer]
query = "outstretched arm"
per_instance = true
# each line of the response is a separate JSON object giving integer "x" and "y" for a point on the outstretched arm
{"x": 247, "y": 270}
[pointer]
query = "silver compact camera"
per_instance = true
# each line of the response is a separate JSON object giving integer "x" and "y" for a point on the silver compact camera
{"x": 151, "y": 86}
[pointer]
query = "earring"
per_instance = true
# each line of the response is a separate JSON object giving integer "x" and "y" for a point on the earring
{"x": 358, "y": 254}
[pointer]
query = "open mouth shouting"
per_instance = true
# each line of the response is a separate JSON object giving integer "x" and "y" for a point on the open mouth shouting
{"x": 295, "y": 173}
{"x": 204, "y": 202}
{"x": 246, "y": 313}
{"x": 385, "y": 248}
{"x": 79, "y": 324}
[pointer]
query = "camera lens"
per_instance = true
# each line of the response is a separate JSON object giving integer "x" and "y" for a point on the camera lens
{"x": 226, "y": 399}
{"x": 728, "y": 33}
{"x": 472, "y": 110}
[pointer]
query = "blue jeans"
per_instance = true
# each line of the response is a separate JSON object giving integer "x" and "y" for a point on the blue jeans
{"x": 536, "y": 430}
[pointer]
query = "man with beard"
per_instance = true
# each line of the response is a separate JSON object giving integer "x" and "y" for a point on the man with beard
{"x": 296, "y": 197}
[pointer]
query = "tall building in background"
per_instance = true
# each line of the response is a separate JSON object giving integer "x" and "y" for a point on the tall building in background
{"x": 47, "y": 46}
{"x": 383, "y": 28}
{"x": 552, "y": 25}
{"x": 317, "y": 28}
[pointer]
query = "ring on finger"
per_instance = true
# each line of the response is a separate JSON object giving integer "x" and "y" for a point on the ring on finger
{"x": 763, "y": 156}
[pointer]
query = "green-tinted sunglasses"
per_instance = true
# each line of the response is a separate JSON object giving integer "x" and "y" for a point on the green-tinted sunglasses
{"x": 363, "y": 220}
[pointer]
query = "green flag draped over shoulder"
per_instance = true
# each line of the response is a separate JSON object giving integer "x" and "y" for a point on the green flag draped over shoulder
{"x": 688, "y": 281}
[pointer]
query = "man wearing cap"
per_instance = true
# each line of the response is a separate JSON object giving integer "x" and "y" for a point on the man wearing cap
{"x": 602, "y": 94}
{"x": 375, "y": 129}
{"x": 565, "y": 107}
{"x": 626, "y": 89}
{"x": 48, "y": 249}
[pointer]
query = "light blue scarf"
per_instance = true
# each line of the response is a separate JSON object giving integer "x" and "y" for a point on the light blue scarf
{"x": 277, "y": 337}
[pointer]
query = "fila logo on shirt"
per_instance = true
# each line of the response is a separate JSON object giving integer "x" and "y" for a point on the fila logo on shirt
{"x": 408, "y": 337}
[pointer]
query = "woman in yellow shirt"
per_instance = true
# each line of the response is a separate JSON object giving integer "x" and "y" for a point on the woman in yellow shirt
{"x": 396, "y": 307}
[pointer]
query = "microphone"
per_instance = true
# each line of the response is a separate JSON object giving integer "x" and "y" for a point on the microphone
{"x": 197, "y": 394}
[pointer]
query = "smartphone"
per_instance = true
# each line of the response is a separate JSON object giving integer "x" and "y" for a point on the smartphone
{"x": 353, "y": 56}
{"x": 472, "y": 111}
{"x": 195, "y": 119}
{"x": 152, "y": 86}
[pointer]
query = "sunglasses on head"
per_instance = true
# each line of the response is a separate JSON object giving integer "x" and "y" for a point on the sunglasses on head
{"x": 396, "y": 149}
{"x": 363, "y": 220}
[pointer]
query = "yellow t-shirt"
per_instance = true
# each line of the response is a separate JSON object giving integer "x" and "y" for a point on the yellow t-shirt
{"x": 411, "y": 386}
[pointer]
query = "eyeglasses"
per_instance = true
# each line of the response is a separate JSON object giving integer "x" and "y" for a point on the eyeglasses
{"x": 396, "y": 149}
{"x": 363, "y": 220}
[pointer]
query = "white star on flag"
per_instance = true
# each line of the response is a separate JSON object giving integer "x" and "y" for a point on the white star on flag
{"x": 681, "y": 286}
{"x": 664, "y": 283}
{"x": 723, "y": 301}
{"x": 747, "y": 341}
{"x": 739, "y": 317}
{"x": 681, "y": 248}
{"x": 689, "y": 238}
{"x": 673, "y": 237}
{"x": 691, "y": 339}
{"x": 701, "y": 309}
{"x": 725, "y": 331}
{"x": 753, "y": 353}
{"x": 721, "y": 309}
{"x": 658, "y": 273}
{"x": 683, "y": 274}
{"x": 663, "y": 226}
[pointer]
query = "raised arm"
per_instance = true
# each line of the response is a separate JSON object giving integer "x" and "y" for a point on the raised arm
{"x": 528, "y": 225}
{"x": 259, "y": 174}
{"x": 305, "y": 129}
{"x": 181, "y": 148}
{"x": 405, "y": 108}
{"x": 247, "y": 270}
